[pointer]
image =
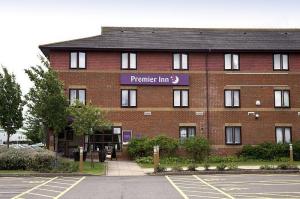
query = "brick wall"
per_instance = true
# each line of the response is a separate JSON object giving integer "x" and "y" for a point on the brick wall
{"x": 256, "y": 81}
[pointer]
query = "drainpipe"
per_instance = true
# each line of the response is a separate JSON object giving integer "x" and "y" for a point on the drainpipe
{"x": 207, "y": 95}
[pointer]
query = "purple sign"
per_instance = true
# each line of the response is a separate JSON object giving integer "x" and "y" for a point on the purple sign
{"x": 127, "y": 134}
{"x": 154, "y": 79}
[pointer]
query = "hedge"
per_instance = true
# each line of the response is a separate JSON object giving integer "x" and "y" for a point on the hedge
{"x": 40, "y": 160}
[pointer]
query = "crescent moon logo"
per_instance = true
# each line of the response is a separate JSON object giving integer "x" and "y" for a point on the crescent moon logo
{"x": 175, "y": 79}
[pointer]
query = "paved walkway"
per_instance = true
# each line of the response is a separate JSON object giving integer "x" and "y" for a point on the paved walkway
{"x": 125, "y": 168}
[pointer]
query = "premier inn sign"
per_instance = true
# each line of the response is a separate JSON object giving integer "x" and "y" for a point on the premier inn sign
{"x": 155, "y": 79}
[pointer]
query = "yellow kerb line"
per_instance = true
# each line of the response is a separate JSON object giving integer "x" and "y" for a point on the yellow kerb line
{"x": 215, "y": 188}
{"x": 68, "y": 189}
{"x": 21, "y": 194}
{"x": 173, "y": 184}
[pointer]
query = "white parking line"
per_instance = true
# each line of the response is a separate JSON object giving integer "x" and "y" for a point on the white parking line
{"x": 213, "y": 187}
{"x": 61, "y": 194}
{"x": 179, "y": 190}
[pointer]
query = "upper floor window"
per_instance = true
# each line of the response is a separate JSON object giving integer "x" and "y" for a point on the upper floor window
{"x": 180, "y": 61}
{"x": 77, "y": 60}
{"x": 233, "y": 134}
{"x": 283, "y": 134}
{"x": 128, "y": 98}
{"x": 180, "y": 98}
{"x": 77, "y": 94}
{"x": 282, "y": 98}
{"x": 187, "y": 132}
{"x": 128, "y": 61}
{"x": 231, "y": 62}
{"x": 281, "y": 62}
{"x": 232, "y": 98}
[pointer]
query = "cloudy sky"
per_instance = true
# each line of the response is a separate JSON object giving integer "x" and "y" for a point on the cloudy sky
{"x": 25, "y": 24}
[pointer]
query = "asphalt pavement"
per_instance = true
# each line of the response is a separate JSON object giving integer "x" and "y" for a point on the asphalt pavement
{"x": 152, "y": 187}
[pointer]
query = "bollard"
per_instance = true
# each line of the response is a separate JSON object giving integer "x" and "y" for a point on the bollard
{"x": 81, "y": 159}
{"x": 291, "y": 153}
{"x": 156, "y": 157}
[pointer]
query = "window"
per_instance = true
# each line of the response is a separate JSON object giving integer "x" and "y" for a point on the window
{"x": 280, "y": 62}
{"x": 282, "y": 98}
{"x": 180, "y": 61}
{"x": 283, "y": 134}
{"x": 77, "y": 60}
{"x": 231, "y": 62}
{"x": 233, "y": 135}
{"x": 180, "y": 98}
{"x": 128, "y": 61}
{"x": 187, "y": 132}
{"x": 232, "y": 98}
{"x": 128, "y": 98}
{"x": 77, "y": 94}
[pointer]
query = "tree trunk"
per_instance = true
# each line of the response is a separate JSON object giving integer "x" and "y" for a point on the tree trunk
{"x": 7, "y": 141}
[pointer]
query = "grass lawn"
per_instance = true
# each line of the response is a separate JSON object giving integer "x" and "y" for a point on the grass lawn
{"x": 99, "y": 168}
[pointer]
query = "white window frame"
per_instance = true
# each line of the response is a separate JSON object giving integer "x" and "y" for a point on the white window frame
{"x": 231, "y": 64}
{"x": 79, "y": 63}
{"x": 130, "y": 63}
{"x": 131, "y": 103}
{"x": 77, "y": 90}
{"x": 283, "y": 103}
{"x": 183, "y": 62}
{"x": 283, "y": 62}
{"x": 283, "y": 134}
{"x": 232, "y": 102}
{"x": 234, "y": 142}
{"x": 181, "y": 100}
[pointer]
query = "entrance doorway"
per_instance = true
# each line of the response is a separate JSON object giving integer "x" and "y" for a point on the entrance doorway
{"x": 104, "y": 139}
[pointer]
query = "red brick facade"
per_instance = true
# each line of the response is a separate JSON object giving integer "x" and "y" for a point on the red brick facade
{"x": 255, "y": 79}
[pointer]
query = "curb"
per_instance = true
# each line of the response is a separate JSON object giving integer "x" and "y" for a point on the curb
{"x": 244, "y": 171}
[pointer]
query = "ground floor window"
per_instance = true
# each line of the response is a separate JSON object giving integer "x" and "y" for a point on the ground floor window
{"x": 283, "y": 134}
{"x": 233, "y": 134}
{"x": 187, "y": 132}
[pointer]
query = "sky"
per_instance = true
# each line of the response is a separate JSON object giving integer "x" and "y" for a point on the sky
{"x": 26, "y": 24}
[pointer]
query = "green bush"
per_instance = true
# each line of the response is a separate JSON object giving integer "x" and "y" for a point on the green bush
{"x": 192, "y": 167}
{"x": 221, "y": 166}
{"x": 206, "y": 166}
{"x": 296, "y": 150}
{"x": 177, "y": 168}
{"x": 198, "y": 148}
{"x": 219, "y": 159}
{"x": 232, "y": 166}
{"x": 144, "y": 160}
{"x": 160, "y": 168}
{"x": 140, "y": 147}
{"x": 35, "y": 160}
{"x": 265, "y": 151}
{"x": 167, "y": 145}
{"x": 267, "y": 167}
{"x": 175, "y": 160}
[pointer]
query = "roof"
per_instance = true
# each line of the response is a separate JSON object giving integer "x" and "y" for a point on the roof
{"x": 189, "y": 39}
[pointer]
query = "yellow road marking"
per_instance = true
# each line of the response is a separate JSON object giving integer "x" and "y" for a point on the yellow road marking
{"x": 174, "y": 185}
{"x": 21, "y": 194}
{"x": 215, "y": 188}
{"x": 68, "y": 189}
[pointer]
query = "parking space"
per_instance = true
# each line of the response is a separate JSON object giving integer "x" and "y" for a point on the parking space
{"x": 237, "y": 186}
{"x": 36, "y": 187}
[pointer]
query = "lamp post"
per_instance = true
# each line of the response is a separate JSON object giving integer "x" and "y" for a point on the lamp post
{"x": 156, "y": 157}
{"x": 291, "y": 153}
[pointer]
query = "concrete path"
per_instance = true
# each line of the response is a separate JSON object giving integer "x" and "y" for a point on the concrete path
{"x": 124, "y": 168}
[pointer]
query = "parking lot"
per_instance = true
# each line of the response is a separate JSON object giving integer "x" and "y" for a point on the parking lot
{"x": 152, "y": 187}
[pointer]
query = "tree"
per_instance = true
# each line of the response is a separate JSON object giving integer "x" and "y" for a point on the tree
{"x": 46, "y": 101}
{"x": 86, "y": 119}
{"x": 11, "y": 105}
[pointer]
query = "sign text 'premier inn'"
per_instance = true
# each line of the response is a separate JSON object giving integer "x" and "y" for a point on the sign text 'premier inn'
{"x": 155, "y": 79}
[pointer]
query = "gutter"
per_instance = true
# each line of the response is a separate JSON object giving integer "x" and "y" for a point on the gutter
{"x": 207, "y": 95}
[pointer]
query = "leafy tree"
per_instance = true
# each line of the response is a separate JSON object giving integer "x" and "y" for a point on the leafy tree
{"x": 197, "y": 147}
{"x": 87, "y": 118}
{"x": 11, "y": 104}
{"x": 46, "y": 101}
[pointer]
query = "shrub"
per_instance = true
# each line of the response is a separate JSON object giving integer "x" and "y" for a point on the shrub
{"x": 267, "y": 167}
{"x": 177, "y": 168}
{"x": 160, "y": 168}
{"x": 175, "y": 160}
{"x": 139, "y": 147}
{"x": 36, "y": 160}
{"x": 232, "y": 166}
{"x": 144, "y": 160}
{"x": 206, "y": 166}
{"x": 167, "y": 145}
{"x": 296, "y": 150}
{"x": 192, "y": 167}
{"x": 285, "y": 166}
{"x": 221, "y": 166}
{"x": 219, "y": 159}
{"x": 265, "y": 151}
{"x": 198, "y": 148}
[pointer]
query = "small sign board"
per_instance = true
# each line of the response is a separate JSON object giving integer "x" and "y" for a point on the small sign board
{"x": 126, "y": 135}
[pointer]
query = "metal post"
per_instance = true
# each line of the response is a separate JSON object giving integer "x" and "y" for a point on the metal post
{"x": 156, "y": 157}
{"x": 81, "y": 159}
{"x": 291, "y": 153}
